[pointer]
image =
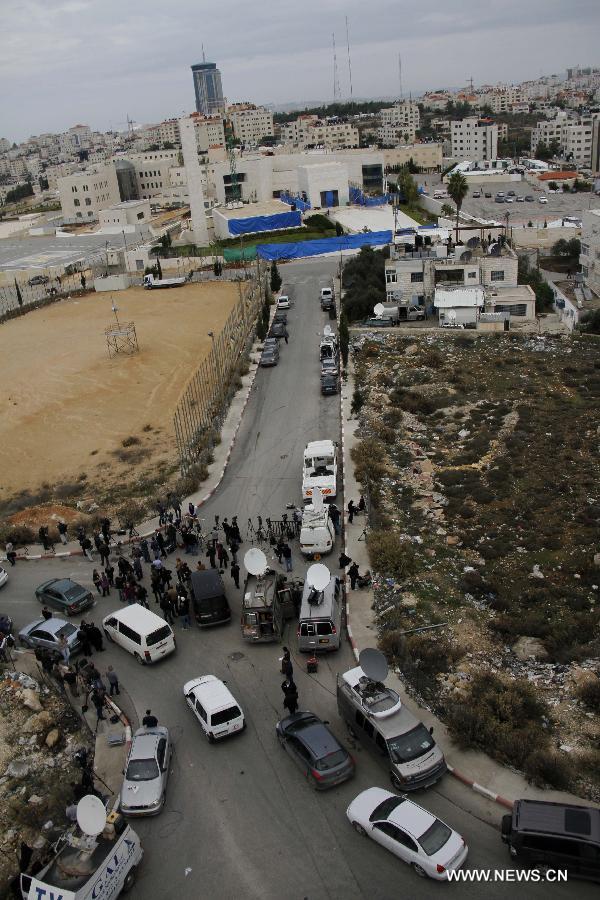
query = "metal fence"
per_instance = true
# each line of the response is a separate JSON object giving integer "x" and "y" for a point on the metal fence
{"x": 203, "y": 406}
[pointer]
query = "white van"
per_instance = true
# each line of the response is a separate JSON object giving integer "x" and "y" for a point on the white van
{"x": 317, "y": 534}
{"x": 214, "y": 706}
{"x": 141, "y": 632}
{"x": 319, "y": 470}
{"x": 320, "y": 621}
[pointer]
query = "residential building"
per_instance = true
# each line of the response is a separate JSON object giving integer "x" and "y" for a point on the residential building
{"x": 83, "y": 194}
{"x": 310, "y": 131}
{"x": 548, "y": 131}
{"x": 208, "y": 89}
{"x": 576, "y": 138}
{"x": 474, "y": 138}
{"x": 437, "y": 101}
{"x": 501, "y": 98}
{"x": 250, "y": 123}
{"x": 428, "y": 157}
{"x": 166, "y": 132}
{"x": 502, "y": 131}
{"x": 210, "y": 132}
{"x": 399, "y": 123}
{"x": 590, "y": 250}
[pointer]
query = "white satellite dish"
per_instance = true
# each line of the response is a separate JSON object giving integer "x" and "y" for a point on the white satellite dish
{"x": 91, "y": 815}
{"x": 379, "y": 309}
{"x": 317, "y": 500}
{"x": 373, "y": 663}
{"x": 318, "y": 576}
{"x": 327, "y": 332}
{"x": 255, "y": 561}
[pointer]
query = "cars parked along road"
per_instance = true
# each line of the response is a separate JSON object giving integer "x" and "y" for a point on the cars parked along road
{"x": 47, "y": 633}
{"x": 144, "y": 787}
{"x": 65, "y": 595}
{"x": 315, "y": 750}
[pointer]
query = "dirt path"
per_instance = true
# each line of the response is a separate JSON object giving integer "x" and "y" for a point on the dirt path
{"x": 65, "y": 407}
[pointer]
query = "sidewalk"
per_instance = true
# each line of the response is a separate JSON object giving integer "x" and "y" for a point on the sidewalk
{"x": 216, "y": 471}
{"x": 473, "y": 768}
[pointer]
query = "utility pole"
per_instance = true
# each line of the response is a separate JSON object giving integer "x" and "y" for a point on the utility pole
{"x": 349, "y": 63}
{"x": 336, "y": 81}
{"x": 400, "y": 76}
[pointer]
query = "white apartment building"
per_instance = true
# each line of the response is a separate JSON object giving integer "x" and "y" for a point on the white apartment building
{"x": 209, "y": 132}
{"x": 310, "y": 131}
{"x": 128, "y": 213}
{"x": 501, "y": 99}
{"x": 83, "y": 194}
{"x": 590, "y": 249}
{"x": 250, "y": 123}
{"x": 399, "y": 123}
{"x": 166, "y": 132}
{"x": 474, "y": 138}
{"x": 4, "y": 145}
{"x": 437, "y": 101}
{"x": 577, "y": 139}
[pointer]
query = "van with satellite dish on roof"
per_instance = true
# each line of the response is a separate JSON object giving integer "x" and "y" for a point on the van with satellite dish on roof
{"x": 319, "y": 470}
{"x": 376, "y": 716}
{"x": 320, "y": 622}
{"x": 317, "y": 535}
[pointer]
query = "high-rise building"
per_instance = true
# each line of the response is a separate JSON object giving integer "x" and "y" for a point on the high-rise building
{"x": 208, "y": 89}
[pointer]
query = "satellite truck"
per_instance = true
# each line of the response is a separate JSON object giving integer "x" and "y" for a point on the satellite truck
{"x": 267, "y": 600}
{"x": 317, "y": 534}
{"x": 94, "y": 860}
{"x": 152, "y": 283}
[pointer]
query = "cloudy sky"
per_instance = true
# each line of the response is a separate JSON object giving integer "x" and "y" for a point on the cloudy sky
{"x": 97, "y": 61}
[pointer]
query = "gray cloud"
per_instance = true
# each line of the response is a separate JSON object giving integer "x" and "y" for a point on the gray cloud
{"x": 67, "y": 61}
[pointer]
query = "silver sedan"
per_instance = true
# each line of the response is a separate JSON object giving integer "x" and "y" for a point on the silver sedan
{"x": 144, "y": 786}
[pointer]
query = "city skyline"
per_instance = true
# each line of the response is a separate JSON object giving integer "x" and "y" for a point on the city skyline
{"x": 140, "y": 66}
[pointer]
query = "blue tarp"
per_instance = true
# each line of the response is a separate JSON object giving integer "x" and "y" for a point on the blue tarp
{"x": 265, "y": 223}
{"x": 360, "y": 199}
{"x": 323, "y": 245}
{"x": 300, "y": 204}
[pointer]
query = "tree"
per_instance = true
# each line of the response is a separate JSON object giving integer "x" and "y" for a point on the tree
{"x": 574, "y": 247}
{"x": 591, "y": 322}
{"x": 457, "y": 190}
{"x": 407, "y": 187}
{"x": 339, "y": 229}
{"x": 552, "y": 186}
{"x": 447, "y": 210}
{"x": 275, "y": 277}
{"x": 19, "y": 296}
{"x": 344, "y": 336}
{"x": 158, "y": 267}
{"x": 560, "y": 248}
{"x": 542, "y": 151}
{"x": 19, "y": 193}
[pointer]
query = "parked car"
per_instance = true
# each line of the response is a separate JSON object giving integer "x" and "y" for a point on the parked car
{"x": 410, "y": 832}
{"x": 3, "y": 576}
{"x": 543, "y": 833}
{"x": 499, "y": 199}
{"x": 529, "y": 198}
{"x": 144, "y": 787}
{"x": 330, "y": 383}
{"x": 38, "y": 279}
{"x": 214, "y": 706}
{"x": 278, "y": 330}
{"x": 280, "y": 316}
{"x": 66, "y": 595}
{"x": 511, "y": 194}
{"x": 270, "y": 355}
{"x": 283, "y": 302}
{"x": 520, "y": 199}
{"x": 476, "y": 195}
{"x": 509, "y": 199}
{"x": 315, "y": 750}
{"x": 543, "y": 199}
{"x": 47, "y": 633}
{"x": 488, "y": 195}
{"x": 378, "y": 322}
{"x": 330, "y": 365}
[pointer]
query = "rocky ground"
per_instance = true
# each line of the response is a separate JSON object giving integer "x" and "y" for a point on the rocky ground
{"x": 39, "y": 734}
{"x": 481, "y": 458}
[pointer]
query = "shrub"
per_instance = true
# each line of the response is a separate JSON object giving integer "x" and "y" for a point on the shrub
{"x": 432, "y": 358}
{"x": 548, "y": 767}
{"x": 131, "y": 511}
{"x": 391, "y": 645}
{"x": 434, "y": 653}
{"x": 390, "y": 555}
{"x": 130, "y": 441}
{"x": 589, "y": 693}
{"x": 367, "y": 457}
{"x": 16, "y": 534}
{"x": 358, "y": 401}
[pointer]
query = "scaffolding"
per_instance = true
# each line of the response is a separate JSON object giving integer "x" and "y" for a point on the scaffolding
{"x": 121, "y": 337}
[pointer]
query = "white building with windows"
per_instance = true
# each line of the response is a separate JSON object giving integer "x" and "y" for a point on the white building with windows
{"x": 399, "y": 123}
{"x": 474, "y": 138}
{"x": 250, "y": 123}
{"x": 310, "y": 131}
{"x": 590, "y": 250}
{"x": 83, "y": 194}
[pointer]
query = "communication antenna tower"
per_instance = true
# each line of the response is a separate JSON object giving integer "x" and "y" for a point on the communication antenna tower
{"x": 400, "y": 75}
{"x": 349, "y": 62}
{"x": 336, "y": 80}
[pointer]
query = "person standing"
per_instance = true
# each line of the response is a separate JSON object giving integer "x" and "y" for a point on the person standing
{"x": 161, "y": 544}
{"x": 353, "y": 573}
{"x": 141, "y": 595}
{"x": 104, "y": 584}
{"x": 184, "y": 611}
{"x": 287, "y": 556}
{"x": 145, "y": 550}
{"x": 166, "y": 609}
{"x": 120, "y": 584}
{"x": 361, "y": 504}
{"x": 86, "y": 546}
{"x": 235, "y": 574}
{"x": 137, "y": 567}
{"x": 222, "y": 556}
{"x": 97, "y": 697}
{"x": 110, "y": 574}
{"x": 62, "y": 532}
{"x": 351, "y": 511}
{"x": 83, "y": 282}
{"x": 46, "y": 613}
{"x": 149, "y": 721}
{"x": 290, "y": 692}
{"x": 334, "y": 515}
{"x": 287, "y": 667}
{"x": 279, "y": 550}
{"x": 84, "y": 639}
{"x": 211, "y": 553}
{"x": 96, "y": 637}
{"x": 113, "y": 681}
{"x": 10, "y": 553}
{"x": 97, "y": 580}
{"x": 63, "y": 648}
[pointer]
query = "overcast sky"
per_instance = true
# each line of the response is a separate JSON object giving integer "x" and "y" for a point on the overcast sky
{"x": 96, "y": 61}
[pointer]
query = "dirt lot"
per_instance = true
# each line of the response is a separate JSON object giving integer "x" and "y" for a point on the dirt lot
{"x": 66, "y": 408}
{"x": 480, "y": 455}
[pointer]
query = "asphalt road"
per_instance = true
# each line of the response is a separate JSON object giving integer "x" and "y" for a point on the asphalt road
{"x": 240, "y": 821}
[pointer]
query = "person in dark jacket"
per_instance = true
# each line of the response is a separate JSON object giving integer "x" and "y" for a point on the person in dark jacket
{"x": 353, "y": 574}
{"x": 287, "y": 667}
{"x": 95, "y": 636}
{"x": 84, "y": 638}
{"x": 290, "y": 692}
{"x": 235, "y": 574}
{"x": 211, "y": 553}
{"x": 46, "y": 613}
{"x": 351, "y": 511}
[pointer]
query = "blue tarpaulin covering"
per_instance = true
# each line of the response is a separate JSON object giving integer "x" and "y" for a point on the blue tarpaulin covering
{"x": 300, "y": 204}
{"x": 360, "y": 199}
{"x": 265, "y": 223}
{"x": 323, "y": 245}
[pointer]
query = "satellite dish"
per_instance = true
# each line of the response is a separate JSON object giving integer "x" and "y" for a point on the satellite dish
{"x": 318, "y": 576}
{"x": 379, "y": 309}
{"x": 91, "y": 815}
{"x": 466, "y": 256}
{"x": 374, "y": 664}
{"x": 473, "y": 242}
{"x": 255, "y": 561}
{"x": 317, "y": 500}
{"x": 327, "y": 332}
{"x": 495, "y": 250}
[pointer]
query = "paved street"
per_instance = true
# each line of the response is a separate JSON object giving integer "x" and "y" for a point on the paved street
{"x": 240, "y": 822}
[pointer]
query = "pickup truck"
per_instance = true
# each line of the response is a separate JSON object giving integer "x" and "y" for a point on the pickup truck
{"x": 150, "y": 282}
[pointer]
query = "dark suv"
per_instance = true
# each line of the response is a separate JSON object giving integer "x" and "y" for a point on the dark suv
{"x": 557, "y": 835}
{"x": 209, "y": 602}
{"x": 317, "y": 751}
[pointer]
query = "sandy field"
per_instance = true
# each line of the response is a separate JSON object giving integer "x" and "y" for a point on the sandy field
{"x": 65, "y": 407}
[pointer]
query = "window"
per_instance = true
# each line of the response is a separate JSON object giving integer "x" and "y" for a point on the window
{"x": 497, "y": 275}
{"x": 391, "y": 276}
{"x": 79, "y": 215}
{"x": 471, "y": 274}
{"x": 225, "y": 715}
{"x": 76, "y": 202}
{"x": 201, "y": 710}
{"x": 88, "y": 201}
{"x": 416, "y": 276}
{"x": 128, "y": 632}
{"x": 157, "y": 636}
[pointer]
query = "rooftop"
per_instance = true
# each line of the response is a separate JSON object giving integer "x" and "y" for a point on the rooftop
{"x": 264, "y": 208}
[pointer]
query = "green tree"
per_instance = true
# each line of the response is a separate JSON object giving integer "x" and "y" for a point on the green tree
{"x": 158, "y": 267}
{"x": 574, "y": 247}
{"x": 457, "y": 190}
{"x": 407, "y": 187}
{"x": 447, "y": 210}
{"x": 560, "y": 248}
{"x": 275, "y": 277}
{"x": 19, "y": 193}
{"x": 542, "y": 151}
{"x": 339, "y": 229}
{"x": 591, "y": 322}
{"x": 344, "y": 336}
{"x": 552, "y": 186}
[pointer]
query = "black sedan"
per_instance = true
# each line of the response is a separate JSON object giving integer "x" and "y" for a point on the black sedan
{"x": 270, "y": 355}
{"x": 38, "y": 279}
{"x": 315, "y": 750}
{"x": 66, "y": 595}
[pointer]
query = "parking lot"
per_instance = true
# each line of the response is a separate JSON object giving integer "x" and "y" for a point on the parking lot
{"x": 559, "y": 204}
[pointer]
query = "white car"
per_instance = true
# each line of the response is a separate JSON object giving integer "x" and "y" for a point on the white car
{"x": 214, "y": 706}
{"x": 410, "y": 832}
{"x": 543, "y": 199}
{"x": 509, "y": 199}
{"x": 3, "y": 576}
{"x": 283, "y": 302}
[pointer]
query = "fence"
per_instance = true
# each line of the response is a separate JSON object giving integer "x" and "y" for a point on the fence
{"x": 203, "y": 406}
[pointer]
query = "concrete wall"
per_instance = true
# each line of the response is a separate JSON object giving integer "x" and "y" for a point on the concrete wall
{"x": 314, "y": 179}
{"x": 112, "y": 283}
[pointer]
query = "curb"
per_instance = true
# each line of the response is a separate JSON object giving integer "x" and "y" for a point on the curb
{"x": 125, "y": 721}
{"x": 479, "y": 789}
{"x": 66, "y": 553}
